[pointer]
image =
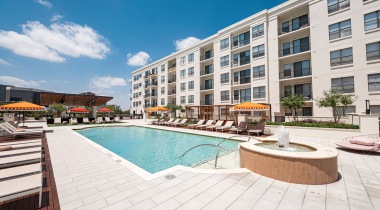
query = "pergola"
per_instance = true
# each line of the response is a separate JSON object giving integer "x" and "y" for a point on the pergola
{"x": 47, "y": 99}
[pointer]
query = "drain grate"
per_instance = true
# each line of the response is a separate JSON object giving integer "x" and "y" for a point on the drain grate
{"x": 170, "y": 176}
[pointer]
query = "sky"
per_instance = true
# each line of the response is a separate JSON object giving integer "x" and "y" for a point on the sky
{"x": 75, "y": 46}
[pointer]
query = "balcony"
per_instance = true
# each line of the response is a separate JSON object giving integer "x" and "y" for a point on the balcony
{"x": 154, "y": 94}
{"x": 207, "y": 87}
{"x": 373, "y": 55}
{"x": 294, "y": 73}
{"x": 173, "y": 80}
{"x": 147, "y": 106}
{"x": 207, "y": 56}
{"x": 172, "y": 92}
{"x": 237, "y": 99}
{"x": 147, "y": 85}
{"x": 294, "y": 50}
{"x": 172, "y": 69}
{"x": 240, "y": 43}
{"x": 338, "y": 6}
{"x": 153, "y": 83}
{"x": 293, "y": 27}
{"x": 241, "y": 61}
{"x": 241, "y": 80}
{"x": 344, "y": 60}
{"x": 307, "y": 94}
{"x": 153, "y": 74}
{"x": 207, "y": 71}
{"x": 207, "y": 102}
{"x": 147, "y": 95}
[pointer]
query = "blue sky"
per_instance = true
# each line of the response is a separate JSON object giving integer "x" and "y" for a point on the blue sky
{"x": 75, "y": 46}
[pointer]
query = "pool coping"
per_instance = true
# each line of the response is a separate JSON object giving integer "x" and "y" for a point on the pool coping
{"x": 140, "y": 171}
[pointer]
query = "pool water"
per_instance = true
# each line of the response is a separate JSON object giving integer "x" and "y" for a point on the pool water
{"x": 155, "y": 150}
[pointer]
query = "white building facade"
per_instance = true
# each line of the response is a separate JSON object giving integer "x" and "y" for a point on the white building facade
{"x": 300, "y": 47}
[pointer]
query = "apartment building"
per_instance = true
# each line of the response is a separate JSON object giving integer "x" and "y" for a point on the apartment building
{"x": 301, "y": 47}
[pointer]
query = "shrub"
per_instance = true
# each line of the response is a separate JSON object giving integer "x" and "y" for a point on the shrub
{"x": 316, "y": 124}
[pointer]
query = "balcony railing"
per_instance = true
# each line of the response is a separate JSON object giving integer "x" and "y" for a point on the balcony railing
{"x": 240, "y": 43}
{"x": 290, "y": 28}
{"x": 340, "y": 33}
{"x": 338, "y": 6}
{"x": 294, "y": 49}
{"x": 147, "y": 106}
{"x": 207, "y": 56}
{"x": 241, "y": 61}
{"x": 147, "y": 95}
{"x": 207, "y": 102}
{"x": 147, "y": 85}
{"x": 207, "y": 71}
{"x": 341, "y": 61}
{"x": 373, "y": 55}
{"x": 154, "y": 94}
{"x": 153, "y": 73}
{"x": 241, "y": 80}
{"x": 173, "y": 80}
{"x": 171, "y": 69}
{"x": 153, "y": 83}
{"x": 307, "y": 94}
{"x": 207, "y": 87}
{"x": 172, "y": 92}
{"x": 292, "y": 73}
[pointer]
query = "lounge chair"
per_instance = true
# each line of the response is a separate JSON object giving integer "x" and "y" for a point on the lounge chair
{"x": 20, "y": 160}
{"x": 170, "y": 123}
{"x": 367, "y": 143}
{"x": 241, "y": 127}
{"x": 29, "y": 133}
{"x": 85, "y": 120}
{"x": 226, "y": 126}
{"x": 258, "y": 128}
{"x": 107, "y": 119}
{"x": 13, "y": 172}
{"x": 14, "y": 151}
{"x": 116, "y": 119}
{"x": 217, "y": 124}
{"x": 208, "y": 123}
{"x": 20, "y": 187}
{"x": 163, "y": 122}
{"x": 157, "y": 121}
{"x": 99, "y": 119}
{"x": 73, "y": 121}
{"x": 182, "y": 123}
{"x": 200, "y": 122}
{"x": 57, "y": 120}
{"x": 18, "y": 127}
{"x": 21, "y": 142}
{"x": 23, "y": 146}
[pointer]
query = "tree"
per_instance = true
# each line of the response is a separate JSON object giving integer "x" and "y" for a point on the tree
{"x": 337, "y": 101}
{"x": 173, "y": 108}
{"x": 294, "y": 104}
{"x": 187, "y": 109}
{"x": 59, "y": 108}
{"x": 116, "y": 109}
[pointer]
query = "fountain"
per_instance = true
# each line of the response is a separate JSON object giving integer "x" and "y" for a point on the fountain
{"x": 295, "y": 162}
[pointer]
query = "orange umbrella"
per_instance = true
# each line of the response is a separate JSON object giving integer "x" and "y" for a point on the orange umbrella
{"x": 22, "y": 106}
{"x": 78, "y": 110}
{"x": 156, "y": 109}
{"x": 105, "y": 110}
{"x": 249, "y": 106}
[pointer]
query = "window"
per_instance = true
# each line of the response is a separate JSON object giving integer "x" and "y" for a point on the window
{"x": 190, "y": 99}
{"x": 224, "y": 43}
{"x": 344, "y": 84}
{"x": 224, "y": 61}
{"x": 190, "y": 71}
{"x": 245, "y": 95}
{"x": 241, "y": 39}
{"x": 183, "y": 99}
{"x": 182, "y": 73}
{"x": 208, "y": 54}
{"x": 190, "y": 58}
{"x": 182, "y": 60}
{"x": 258, "y": 51}
{"x": 162, "y": 79}
{"x": 259, "y": 71}
{"x": 301, "y": 68}
{"x": 259, "y": 92}
{"x": 258, "y": 31}
{"x": 300, "y": 22}
{"x": 209, "y": 69}
{"x": 162, "y": 90}
{"x": 336, "y": 5}
{"x": 372, "y": 20}
{"x": 340, "y": 29}
{"x": 224, "y": 78}
{"x": 242, "y": 58}
{"x": 301, "y": 45}
{"x": 373, "y": 82}
{"x": 225, "y": 95}
{"x": 341, "y": 57}
{"x": 163, "y": 68}
{"x": 191, "y": 85}
{"x": 245, "y": 76}
{"x": 373, "y": 51}
{"x": 162, "y": 101}
{"x": 183, "y": 86}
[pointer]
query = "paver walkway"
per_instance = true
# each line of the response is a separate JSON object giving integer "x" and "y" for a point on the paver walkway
{"x": 89, "y": 179}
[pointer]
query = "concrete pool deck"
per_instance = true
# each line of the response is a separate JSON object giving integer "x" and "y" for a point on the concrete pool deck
{"x": 88, "y": 178}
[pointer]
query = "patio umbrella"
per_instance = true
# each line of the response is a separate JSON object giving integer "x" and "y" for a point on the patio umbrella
{"x": 249, "y": 106}
{"x": 157, "y": 108}
{"x": 22, "y": 107}
{"x": 104, "y": 110}
{"x": 78, "y": 110}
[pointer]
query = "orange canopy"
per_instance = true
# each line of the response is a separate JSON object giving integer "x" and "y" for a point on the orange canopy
{"x": 156, "y": 109}
{"x": 22, "y": 106}
{"x": 249, "y": 106}
{"x": 78, "y": 110}
{"x": 105, "y": 110}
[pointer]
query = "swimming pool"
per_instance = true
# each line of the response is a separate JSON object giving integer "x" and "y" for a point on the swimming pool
{"x": 155, "y": 150}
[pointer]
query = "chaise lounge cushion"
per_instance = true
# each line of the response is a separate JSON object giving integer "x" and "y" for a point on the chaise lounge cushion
{"x": 5, "y": 148}
{"x": 363, "y": 141}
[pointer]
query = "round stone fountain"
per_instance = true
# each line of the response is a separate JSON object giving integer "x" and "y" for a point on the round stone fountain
{"x": 295, "y": 162}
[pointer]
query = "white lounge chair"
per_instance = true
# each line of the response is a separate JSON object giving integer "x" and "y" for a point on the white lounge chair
{"x": 13, "y": 172}
{"x": 99, "y": 119}
{"x": 36, "y": 133}
{"x": 20, "y": 142}
{"x": 85, "y": 120}
{"x": 163, "y": 122}
{"x": 20, "y": 187}
{"x": 20, "y": 160}
{"x": 15, "y": 128}
{"x": 175, "y": 121}
{"x": 107, "y": 119}
{"x": 116, "y": 119}
{"x": 13, "y": 124}
{"x": 200, "y": 122}
{"x": 73, "y": 121}
{"x": 24, "y": 146}
{"x": 208, "y": 123}
{"x": 169, "y": 122}
{"x": 24, "y": 151}
{"x": 57, "y": 120}
{"x": 182, "y": 123}
{"x": 217, "y": 124}
{"x": 226, "y": 127}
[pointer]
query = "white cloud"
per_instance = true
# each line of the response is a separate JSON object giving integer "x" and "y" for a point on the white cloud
{"x": 139, "y": 59}
{"x": 54, "y": 42}
{"x": 99, "y": 83}
{"x": 56, "y": 18}
{"x": 42, "y": 81}
{"x": 7, "y": 80}
{"x": 4, "y": 62}
{"x": 45, "y": 3}
{"x": 185, "y": 43}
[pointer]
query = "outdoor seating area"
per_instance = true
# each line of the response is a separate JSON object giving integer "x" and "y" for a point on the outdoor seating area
{"x": 366, "y": 143}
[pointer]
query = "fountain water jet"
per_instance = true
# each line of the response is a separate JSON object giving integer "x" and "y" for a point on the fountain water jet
{"x": 283, "y": 137}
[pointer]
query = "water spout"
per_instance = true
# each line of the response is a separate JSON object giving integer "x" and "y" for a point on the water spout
{"x": 283, "y": 137}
